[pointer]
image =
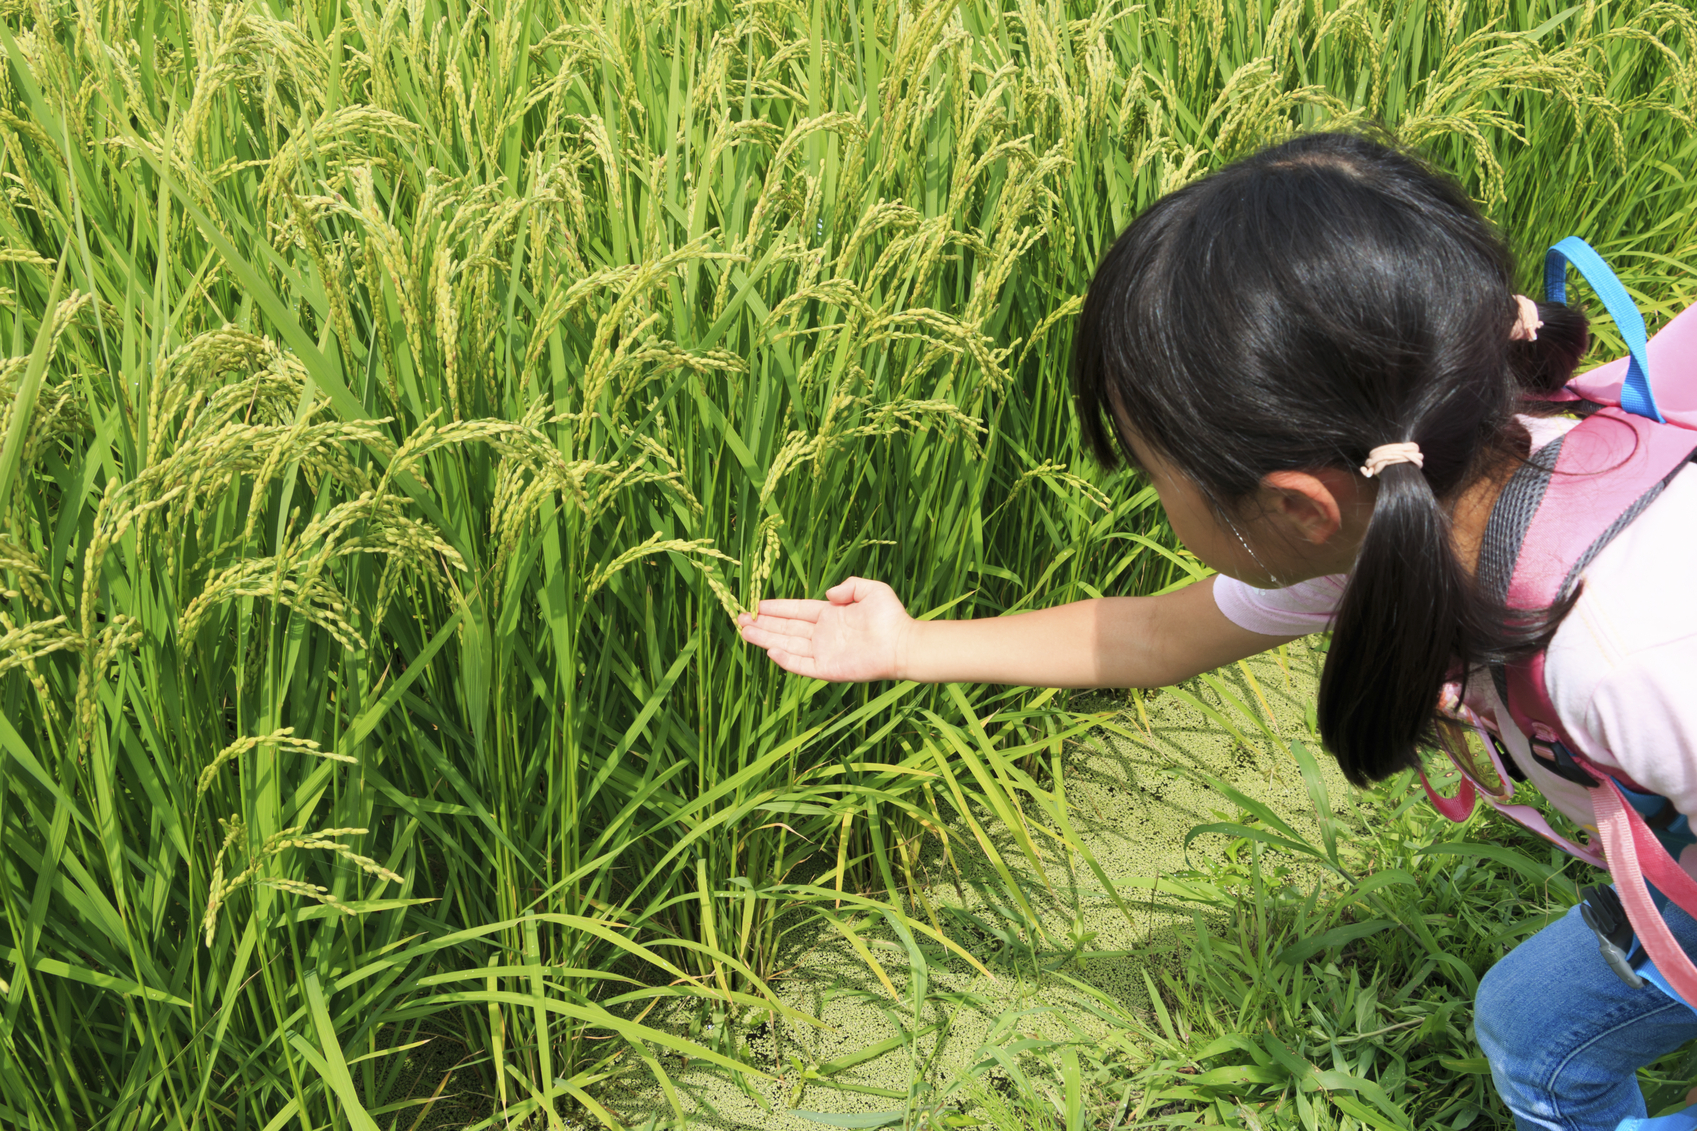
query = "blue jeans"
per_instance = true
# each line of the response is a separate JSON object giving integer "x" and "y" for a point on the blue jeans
{"x": 1566, "y": 1037}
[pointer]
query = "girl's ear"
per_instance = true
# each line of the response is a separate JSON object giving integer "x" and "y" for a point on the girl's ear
{"x": 1312, "y": 505}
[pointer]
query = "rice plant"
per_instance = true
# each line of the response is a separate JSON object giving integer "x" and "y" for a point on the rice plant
{"x": 404, "y": 396}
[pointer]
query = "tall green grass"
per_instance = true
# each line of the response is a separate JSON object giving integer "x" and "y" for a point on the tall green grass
{"x": 403, "y": 397}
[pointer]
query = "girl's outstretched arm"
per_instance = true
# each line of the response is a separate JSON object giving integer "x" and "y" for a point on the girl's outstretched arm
{"x": 861, "y": 632}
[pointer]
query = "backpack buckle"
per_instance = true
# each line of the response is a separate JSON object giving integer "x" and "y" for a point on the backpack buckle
{"x": 1557, "y": 758}
{"x": 1602, "y": 911}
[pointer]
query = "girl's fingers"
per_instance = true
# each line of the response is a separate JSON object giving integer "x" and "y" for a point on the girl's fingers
{"x": 848, "y": 590}
{"x": 794, "y": 664}
{"x": 793, "y": 610}
{"x": 796, "y": 636}
{"x": 782, "y": 626}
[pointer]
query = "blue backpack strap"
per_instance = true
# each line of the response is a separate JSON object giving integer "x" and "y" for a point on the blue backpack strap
{"x": 1635, "y": 393}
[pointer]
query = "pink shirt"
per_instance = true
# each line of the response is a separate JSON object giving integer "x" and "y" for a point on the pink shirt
{"x": 1621, "y": 670}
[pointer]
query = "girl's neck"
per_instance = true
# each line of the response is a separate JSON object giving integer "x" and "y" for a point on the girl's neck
{"x": 1472, "y": 509}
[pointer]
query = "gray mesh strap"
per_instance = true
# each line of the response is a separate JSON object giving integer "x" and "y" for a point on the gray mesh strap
{"x": 1505, "y": 531}
{"x": 1511, "y": 518}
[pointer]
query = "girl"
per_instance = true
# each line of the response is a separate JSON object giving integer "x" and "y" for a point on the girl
{"x": 1317, "y": 357}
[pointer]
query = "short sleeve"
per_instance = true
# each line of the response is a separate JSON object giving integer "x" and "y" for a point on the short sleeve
{"x": 1296, "y": 610}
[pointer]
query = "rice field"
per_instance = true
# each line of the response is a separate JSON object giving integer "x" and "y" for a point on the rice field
{"x": 403, "y": 397}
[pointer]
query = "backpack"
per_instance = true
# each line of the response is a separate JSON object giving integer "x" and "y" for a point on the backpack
{"x": 1553, "y": 517}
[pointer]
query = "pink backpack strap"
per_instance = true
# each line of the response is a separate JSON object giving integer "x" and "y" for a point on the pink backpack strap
{"x": 1634, "y": 855}
{"x": 1460, "y": 807}
{"x": 1606, "y": 471}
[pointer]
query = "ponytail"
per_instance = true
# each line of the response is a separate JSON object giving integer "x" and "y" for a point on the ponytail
{"x": 1411, "y": 610}
{"x": 1395, "y": 633}
{"x": 1294, "y": 311}
{"x": 1547, "y": 363}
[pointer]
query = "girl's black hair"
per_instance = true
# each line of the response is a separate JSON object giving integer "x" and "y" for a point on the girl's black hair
{"x": 1294, "y": 310}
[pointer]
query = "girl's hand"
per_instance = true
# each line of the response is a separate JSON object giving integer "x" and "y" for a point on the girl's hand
{"x": 856, "y": 634}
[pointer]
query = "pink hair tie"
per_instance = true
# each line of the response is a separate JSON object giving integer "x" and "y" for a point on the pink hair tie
{"x": 1384, "y": 455}
{"x": 1527, "y": 324}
